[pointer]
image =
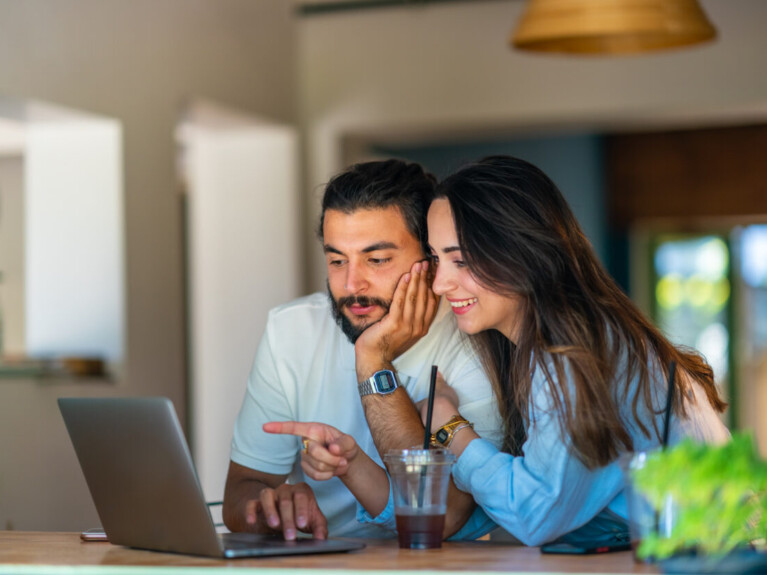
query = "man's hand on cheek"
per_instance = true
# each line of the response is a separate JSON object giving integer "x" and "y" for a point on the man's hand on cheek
{"x": 412, "y": 311}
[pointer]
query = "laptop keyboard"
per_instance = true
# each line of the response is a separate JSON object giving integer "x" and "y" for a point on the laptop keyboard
{"x": 250, "y": 540}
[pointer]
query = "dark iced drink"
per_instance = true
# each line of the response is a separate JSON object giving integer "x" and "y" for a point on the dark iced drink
{"x": 420, "y": 480}
{"x": 420, "y": 531}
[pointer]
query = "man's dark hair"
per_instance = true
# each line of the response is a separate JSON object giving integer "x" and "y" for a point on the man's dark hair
{"x": 373, "y": 185}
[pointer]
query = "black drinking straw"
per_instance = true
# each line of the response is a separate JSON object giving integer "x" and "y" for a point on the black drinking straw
{"x": 430, "y": 407}
{"x": 427, "y": 430}
{"x": 669, "y": 403}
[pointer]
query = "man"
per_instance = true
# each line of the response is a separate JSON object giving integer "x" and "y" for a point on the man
{"x": 318, "y": 354}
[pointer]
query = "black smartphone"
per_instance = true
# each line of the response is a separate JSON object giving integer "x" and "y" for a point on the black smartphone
{"x": 618, "y": 542}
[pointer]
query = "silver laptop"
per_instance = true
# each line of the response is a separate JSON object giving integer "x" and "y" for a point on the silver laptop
{"x": 140, "y": 474}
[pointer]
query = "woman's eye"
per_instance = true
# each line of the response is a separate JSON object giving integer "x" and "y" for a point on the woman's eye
{"x": 459, "y": 263}
{"x": 434, "y": 259}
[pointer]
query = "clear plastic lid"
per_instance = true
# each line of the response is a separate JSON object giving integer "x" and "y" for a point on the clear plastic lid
{"x": 420, "y": 456}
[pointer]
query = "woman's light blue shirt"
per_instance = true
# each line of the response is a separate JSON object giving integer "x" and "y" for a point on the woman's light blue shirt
{"x": 548, "y": 493}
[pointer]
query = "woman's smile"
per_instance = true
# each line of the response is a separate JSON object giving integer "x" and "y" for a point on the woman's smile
{"x": 462, "y": 306}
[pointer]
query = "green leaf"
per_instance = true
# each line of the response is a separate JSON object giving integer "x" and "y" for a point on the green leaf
{"x": 719, "y": 494}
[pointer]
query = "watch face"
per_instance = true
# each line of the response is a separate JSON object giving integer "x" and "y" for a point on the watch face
{"x": 385, "y": 382}
{"x": 442, "y": 435}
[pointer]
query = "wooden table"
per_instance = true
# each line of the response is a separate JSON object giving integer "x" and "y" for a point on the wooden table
{"x": 39, "y": 549}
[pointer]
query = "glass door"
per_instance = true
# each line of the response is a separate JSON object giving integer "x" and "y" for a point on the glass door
{"x": 692, "y": 299}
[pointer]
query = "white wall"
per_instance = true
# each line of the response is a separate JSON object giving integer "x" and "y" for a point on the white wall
{"x": 244, "y": 239}
{"x": 12, "y": 265}
{"x": 138, "y": 62}
{"x": 444, "y": 71}
{"x": 74, "y": 239}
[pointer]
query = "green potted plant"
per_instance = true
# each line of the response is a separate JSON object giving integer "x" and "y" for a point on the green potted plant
{"x": 719, "y": 507}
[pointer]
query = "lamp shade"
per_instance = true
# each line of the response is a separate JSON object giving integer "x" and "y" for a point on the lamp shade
{"x": 611, "y": 26}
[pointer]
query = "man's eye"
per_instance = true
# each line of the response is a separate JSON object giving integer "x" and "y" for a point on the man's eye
{"x": 336, "y": 263}
{"x": 379, "y": 261}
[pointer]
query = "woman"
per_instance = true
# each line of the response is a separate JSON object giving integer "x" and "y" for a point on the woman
{"x": 579, "y": 373}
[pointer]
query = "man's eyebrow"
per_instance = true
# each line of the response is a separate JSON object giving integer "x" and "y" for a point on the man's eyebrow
{"x": 380, "y": 246}
{"x": 372, "y": 248}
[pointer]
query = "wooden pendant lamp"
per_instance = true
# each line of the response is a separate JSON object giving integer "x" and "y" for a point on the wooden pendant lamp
{"x": 611, "y": 26}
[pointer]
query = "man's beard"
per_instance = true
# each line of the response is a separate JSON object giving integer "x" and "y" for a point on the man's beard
{"x": 352, "y": 331}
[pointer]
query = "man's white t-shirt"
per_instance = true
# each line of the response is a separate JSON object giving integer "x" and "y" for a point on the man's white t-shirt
{"x": 304, "y": 370}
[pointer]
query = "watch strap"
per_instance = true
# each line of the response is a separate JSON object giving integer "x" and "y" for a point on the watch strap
{"x": 370, "y": 386}
{"x": 445, "y": 434}
{"x": 366, "y": 387}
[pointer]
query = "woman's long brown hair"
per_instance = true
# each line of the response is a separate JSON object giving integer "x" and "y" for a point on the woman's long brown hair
{"x": 519, "y": 238}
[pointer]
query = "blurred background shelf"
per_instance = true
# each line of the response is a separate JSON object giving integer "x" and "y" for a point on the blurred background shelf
{"x": 63, "y": 367}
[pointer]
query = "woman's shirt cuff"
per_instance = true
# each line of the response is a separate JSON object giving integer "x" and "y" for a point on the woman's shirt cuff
{"x": 478, "y": 524}
{"x": 474, "y": 456}
{"x": 385, "y": 519}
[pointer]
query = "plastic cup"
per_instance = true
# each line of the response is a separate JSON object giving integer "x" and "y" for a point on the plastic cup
{"x": 420, "y": 479}
{"x": 643, "y": 519}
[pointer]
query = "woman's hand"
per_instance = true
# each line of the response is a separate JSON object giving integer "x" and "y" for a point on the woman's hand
{"x": 331, "y": 453}
{"x": 327, "y": 451}
{"x": 445, "y": 404}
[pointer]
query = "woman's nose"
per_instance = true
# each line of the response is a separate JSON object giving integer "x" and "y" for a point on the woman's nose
{"x": 442, "y": 282}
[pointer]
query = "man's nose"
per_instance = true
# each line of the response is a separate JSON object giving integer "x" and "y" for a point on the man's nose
{"x": 356, "y": 280}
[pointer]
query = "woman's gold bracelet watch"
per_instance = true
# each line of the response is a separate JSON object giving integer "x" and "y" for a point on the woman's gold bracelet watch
{"x": 445, "y": 434}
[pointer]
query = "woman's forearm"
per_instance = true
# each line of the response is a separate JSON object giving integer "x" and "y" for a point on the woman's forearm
{"x": 461, "y": 439}
{"x": 368, "y": 482}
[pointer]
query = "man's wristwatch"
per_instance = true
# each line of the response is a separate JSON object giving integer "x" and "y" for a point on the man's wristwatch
{"x": 445, "y": 434}
{"x": 381, "y": 382}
